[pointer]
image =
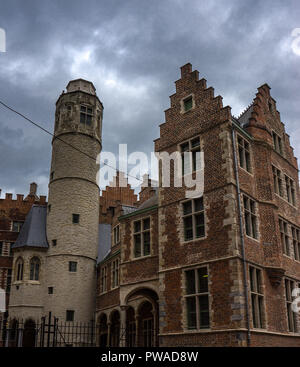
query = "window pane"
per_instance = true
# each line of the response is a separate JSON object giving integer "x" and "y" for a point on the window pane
{"x": 88, "y": 120}
{"x": 186, "y": 162}
{"x": 190, "y": 282}
{"x": 82, "y": 118}
{"x": 191, "y": 312}
{"x": 187, "y": 207}
{"x": 204, "y": 312}
{"x": 147, "y": 223}
{"x": 82, "y": 108}
{"x": 196, "y": 142}
{"x": 137, "y": 226}
{"x": 31, "y": 270}
{"x": 200, "y": 229}
{"x": 188, "y": 104}
{"x": 188, "y": 228}
{"x": 146, "y": 243}
{"x": 202, "y": 280}
{"x": 137, "y": 245}
{"x": 184, "y": 147}
{"x": 90, "y": 110}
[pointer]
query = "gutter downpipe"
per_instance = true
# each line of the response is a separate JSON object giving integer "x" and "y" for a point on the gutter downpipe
{"x": 241, "y": 236}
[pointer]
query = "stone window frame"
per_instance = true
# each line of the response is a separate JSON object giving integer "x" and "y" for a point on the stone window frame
{"x": 103, "y": 279}
{"x": 141, "y": 233}
{"x": 285, "y": 237}
{"x": 182, "y": 103}
{"x": 244, "y": 154}
{"x": 190, "y": 149}
{"x": 296, "y": 242}
{"x": 115, "y": 273}
{"x": 277, "y": 181}
{"x": 293, "y": 323}
{"x": 197, "y": 294}
{"x": 252, "y": 214}
{"x": 116, "y": 235}
{"x": 257, "y": 297}
{"x": 193, "y": 213}
{"x": 290, "y": 190}
{"x": 277, "y": 143}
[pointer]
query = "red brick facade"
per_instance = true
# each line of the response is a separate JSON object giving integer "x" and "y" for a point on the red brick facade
{"x": 238, "y": 156}
{"x": 12, "y": 215}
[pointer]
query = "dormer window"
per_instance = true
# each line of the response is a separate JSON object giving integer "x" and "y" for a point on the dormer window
{"x": 86, "y": 114}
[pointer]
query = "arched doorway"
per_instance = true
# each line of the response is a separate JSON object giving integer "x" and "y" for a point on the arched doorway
{"x": 143, "y": 317}
{"x": 130, "y": 327}
{"x": 103, "y": 331}
{"x": 29, "y": 333}
{"x": 115, "y": 329}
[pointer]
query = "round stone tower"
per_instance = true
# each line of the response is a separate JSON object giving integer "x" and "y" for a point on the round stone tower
{"x": 73, "y": 204}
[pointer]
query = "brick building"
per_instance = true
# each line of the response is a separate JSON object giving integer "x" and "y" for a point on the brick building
{"x": 215, "y": 270}
{"x": 12, "y": 216}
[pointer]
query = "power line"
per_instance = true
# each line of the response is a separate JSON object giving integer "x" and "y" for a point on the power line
{"x": 57, "y": 137}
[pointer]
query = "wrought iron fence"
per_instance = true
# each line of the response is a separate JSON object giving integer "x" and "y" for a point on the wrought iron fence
{"x": 47, "y": 332}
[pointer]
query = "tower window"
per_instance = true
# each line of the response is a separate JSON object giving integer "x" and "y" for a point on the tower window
{"x": 86, "y": 114}
{"x": 73, "y": 266}
{"x": 50, "y": 290}
{"x": 250, "y": 217}
{"x": 257, "y": 297}
{"x": 142, "y": 238}
{"x": 52, "y": 175}
{"x": 70, "y": 315}
{"x": 75, "y": 218}
{"x": 277, "y": 143}
{"x": 49, "y": 208}
{"x": 244, "y": 154}
{"x": 54, "y": 242}
{"x": 277, "y": 181}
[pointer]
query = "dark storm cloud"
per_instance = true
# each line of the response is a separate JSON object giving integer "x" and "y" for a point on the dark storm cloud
{"x": 132, "y": 51}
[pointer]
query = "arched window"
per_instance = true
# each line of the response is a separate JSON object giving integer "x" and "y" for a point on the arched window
{"x": 35, "y": 268}
{"x": 19, "y": 269}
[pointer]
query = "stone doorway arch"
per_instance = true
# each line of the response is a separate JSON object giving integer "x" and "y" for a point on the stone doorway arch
{"x": 29, "y": 333}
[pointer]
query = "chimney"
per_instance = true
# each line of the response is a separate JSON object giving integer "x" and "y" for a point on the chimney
{"x": 33, "y": 189}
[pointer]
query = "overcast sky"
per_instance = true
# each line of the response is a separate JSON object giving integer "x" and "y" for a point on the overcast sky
{"x": 132, "y": 51}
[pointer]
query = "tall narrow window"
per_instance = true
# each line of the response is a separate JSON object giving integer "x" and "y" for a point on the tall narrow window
{"x": 250, "y": 217}
{"x": 103, "y": 279}
{"x": 277, "y": 142}
{"x": 116, "y": 234}
{"x": 244, "y": 154}
{"x": 19, "y": 269}
{"x": 141, "y": 237}
{"x": 290, "y": 190}
{"x": 8, "y": 280}
{"x": 86, "y": 114}
{"x": 257, "y": 297}
{"x": 190, "y": 154}
{"x": 291, "y": 316}
{"x": 35, "y": 268}
{"x": 193, "y": 219}
{"x": 115, "y": 273}
{"x": 197, "y": 298}
{"x": 277, "y": 181}
{"x": 1, "y": 248}
{"x": 296, "y": 242}
{"x": 284, "y": 236}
